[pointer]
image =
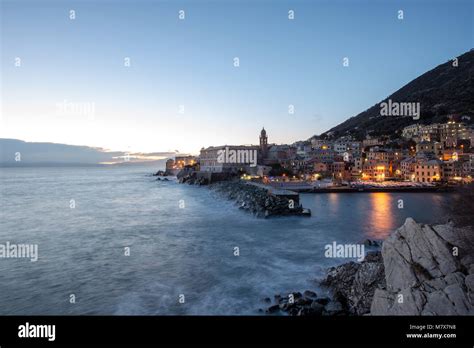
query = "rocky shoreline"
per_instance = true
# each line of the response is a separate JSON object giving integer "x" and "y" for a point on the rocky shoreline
{"x": 257, "y": 200}
{"x": 307, "y": 303}
{"x": 253, "y": 199}
{"x": 421, "y": 270}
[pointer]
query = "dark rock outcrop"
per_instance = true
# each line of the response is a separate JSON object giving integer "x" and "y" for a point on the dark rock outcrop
{"x": 191, "y": 177}
{"x": 256, "y": 200}
{"x": 306, "y": 304}
{"x": 353, "y": 284}
{"x": 160, "y": 173}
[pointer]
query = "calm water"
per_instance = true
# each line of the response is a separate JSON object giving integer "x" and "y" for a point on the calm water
{"x": 174, "y": 251}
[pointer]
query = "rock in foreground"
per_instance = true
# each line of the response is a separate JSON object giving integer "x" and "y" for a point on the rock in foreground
{"x": 306, "y": 304}
{"x": 421, "y": 270}
{"x": 353, "y": 284}
{"x": 429, "y": 270}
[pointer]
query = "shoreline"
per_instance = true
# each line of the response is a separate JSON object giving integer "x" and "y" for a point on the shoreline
{"x": 199, "y": 178}
{"x": 379, "y": 189}
{"x": 419, "y": 270}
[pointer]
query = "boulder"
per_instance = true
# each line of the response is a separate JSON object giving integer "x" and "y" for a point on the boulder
{"x": 310, "y": 294}
{"x": 273, "y": 309}
{"x": 353, "y": 284}
{"x": 426, "y": 271}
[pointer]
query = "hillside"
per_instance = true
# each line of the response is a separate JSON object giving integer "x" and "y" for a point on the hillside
{"x": 443, "y": 90}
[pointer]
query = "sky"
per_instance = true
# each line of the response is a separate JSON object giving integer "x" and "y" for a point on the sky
{"x": 65, "y": 80}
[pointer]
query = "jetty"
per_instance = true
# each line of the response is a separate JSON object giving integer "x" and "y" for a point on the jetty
{"x": 261, "y": 200}
{"x": 277, "y": 192}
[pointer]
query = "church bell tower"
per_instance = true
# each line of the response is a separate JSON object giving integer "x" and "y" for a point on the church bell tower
{"x": 263, "y": 143}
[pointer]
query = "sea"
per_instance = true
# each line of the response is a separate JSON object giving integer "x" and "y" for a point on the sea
{"x": 115, "y": 241}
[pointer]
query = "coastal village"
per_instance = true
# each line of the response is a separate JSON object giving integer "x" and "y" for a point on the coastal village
{"x": 419, "y": 157}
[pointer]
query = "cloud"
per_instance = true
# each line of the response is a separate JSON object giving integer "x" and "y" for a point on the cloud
{"x": 21, "y": 153}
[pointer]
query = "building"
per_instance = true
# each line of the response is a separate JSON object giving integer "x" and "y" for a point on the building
{"x": 428, "y": 171}
{"x": 448, "y": 133}
{"x": 452, "y": 131}
{"x": 471, "y": 164}
{"x": 173, "y": 166}
{"x": 358, "y": 163}
{"x": 280, "y": 154}
{"x": 452, "y": 170}
{"x": 354, "y": 147}
{"x": 471, "y": 137}
{"x": 374, "y": 171}
{"x": 411, "y": 131}
{"x": 430, "y": 132}
{"x": 372, "y": 142}
{"x": 323, "y": 155}
{"x": 389, "y": 158}
{"x": 317, "y": 144}
{"x": 348, "y": 156}
{"x": 228, "y": 158}
{"x": 170, "y": 166}
{"x": 430, "y": 147}
{"x": 380, "y": 155}
{"x": 451, "y": 154}
{"x": 303, "y": 149}
{"x": 320, "y": 167}
{"x": 340, "y": 147}
{"x": 337, "y": 169}
{"x": 183, "y": 161}
{"x": 407, "y": 168}
{"x": 263, "y": 143}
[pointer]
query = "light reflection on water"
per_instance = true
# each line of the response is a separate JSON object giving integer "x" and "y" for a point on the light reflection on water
{"x": 381, "y": 214}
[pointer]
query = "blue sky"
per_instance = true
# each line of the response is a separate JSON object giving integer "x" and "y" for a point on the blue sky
{"x": 190, "y": 62}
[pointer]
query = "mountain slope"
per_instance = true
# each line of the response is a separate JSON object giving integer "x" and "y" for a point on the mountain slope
{"x": 441, "y": 91}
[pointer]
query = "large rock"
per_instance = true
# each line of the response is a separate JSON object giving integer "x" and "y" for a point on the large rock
{"x": 426, "y": 271}
{"x": 353, "y": 284}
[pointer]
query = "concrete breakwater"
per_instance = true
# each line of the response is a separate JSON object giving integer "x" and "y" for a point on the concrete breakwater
{"x": 259, "y": 200}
